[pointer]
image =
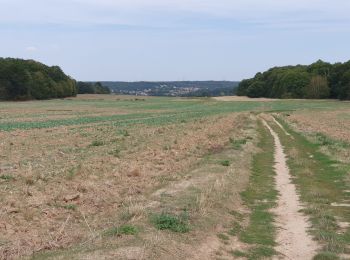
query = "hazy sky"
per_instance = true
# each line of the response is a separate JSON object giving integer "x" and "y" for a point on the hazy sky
{"x": 174, "y": 39}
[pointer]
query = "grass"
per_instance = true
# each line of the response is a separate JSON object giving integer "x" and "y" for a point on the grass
{"x": 115, "y": 152}
{"x": 225, "y": 163}
{"x": 171, "y": 138}
{"x": 222, "y": 236}
{"x": 122, "y": 230}
{"x": 70, "y": 207}
{"x": 97, "y": 143}
{"x": 175, "y": 223}
{"x": 261, "y": 197}
{"x": 235, "y": 230}
{"x": 321, "y": 181}
{"x": 123, "y": 132}
{"x": 237, "y": 143}
{"x": 6, "y": 177}
{"x": 155, "y": 111}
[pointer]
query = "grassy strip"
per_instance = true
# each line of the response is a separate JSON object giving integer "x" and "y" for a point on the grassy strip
{"x": 321, "y": 182}
{"x": 176, "y": 111}
{"x": 260, "y": 197}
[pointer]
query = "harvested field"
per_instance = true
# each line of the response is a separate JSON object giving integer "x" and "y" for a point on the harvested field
{"x": 240, "y": 98}
{"x": 104, "y": 176}
{"x": 335, "y": 124}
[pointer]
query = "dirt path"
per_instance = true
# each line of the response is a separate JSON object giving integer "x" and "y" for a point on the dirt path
{"x": 293, "y": 240}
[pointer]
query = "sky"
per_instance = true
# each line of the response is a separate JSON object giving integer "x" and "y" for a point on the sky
{"x": 157, "y": 40}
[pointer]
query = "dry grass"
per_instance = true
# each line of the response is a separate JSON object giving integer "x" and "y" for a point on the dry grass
{"x": 335, "y": 124}
{"x": 240, "y": 98}
{"x": 65, "y": 189}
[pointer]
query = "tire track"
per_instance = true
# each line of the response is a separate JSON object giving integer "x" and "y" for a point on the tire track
{"x": 293, "y": 240}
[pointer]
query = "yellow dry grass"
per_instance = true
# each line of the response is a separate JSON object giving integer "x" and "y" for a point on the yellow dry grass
{"x": 68, "y": 184}
{"x": 335, "y": 124}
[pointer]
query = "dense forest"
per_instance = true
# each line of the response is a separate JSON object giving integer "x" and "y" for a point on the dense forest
{"x": 173, "y": 88}
{"x": 92, "y": 88}
{"x": 318, "y": 80}
{"x": 28, "y": 79}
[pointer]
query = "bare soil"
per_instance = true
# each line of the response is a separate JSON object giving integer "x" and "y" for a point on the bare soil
{"x": 293, "y": 240}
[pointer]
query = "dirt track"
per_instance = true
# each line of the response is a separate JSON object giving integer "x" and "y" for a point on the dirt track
{"x": 293, "y": 240}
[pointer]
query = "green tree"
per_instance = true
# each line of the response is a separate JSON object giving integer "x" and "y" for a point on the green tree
{"x": 28, "y": 79}
{"x": 317, "y": 88}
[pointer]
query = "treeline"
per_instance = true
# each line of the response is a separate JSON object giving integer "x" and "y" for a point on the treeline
{"x": 216, "y": 92}
{"x": 29, "y": 79}
{"x": 318, "y": 80}
{"x": 92, "y": 88}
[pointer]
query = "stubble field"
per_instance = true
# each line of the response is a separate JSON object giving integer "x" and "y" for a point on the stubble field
{"x": 122, "y": 177}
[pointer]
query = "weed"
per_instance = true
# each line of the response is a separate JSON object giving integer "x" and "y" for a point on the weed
{"x": 115, "y": 152}
{"x": 238, "y": 253}
{"x": 225, "y": 163}
{"x": 171, "y": 222}
{"x": 238, "y": 215}
{"x": 70, "y": 207}
{"x": 223, "y": 236}
{"x": 123, "y": 132}
{"x": 166, "y": 147}
{"x": 237, "y": 144}
{"x": 326, "y": 256}
{"x": 97, "y": 143}
{"x": 261, "y": 252}
{"x": 122, "y": 230}
{"x": 7, "y": 177}
{"x": 323, "y": 140}
{"x": 71, "y": 174}
{"x": 235, "y": 229}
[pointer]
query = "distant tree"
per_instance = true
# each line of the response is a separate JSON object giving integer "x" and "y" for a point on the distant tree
{"x": 257, "y": 89}
{"x": 28, "y": 79}
{"x": 318, "y": 80}
{"x": 317, "y": 88}
{"x": 92, "y": 88}
{"x": 344, "y": 91}
{"x": 320, "y": 68}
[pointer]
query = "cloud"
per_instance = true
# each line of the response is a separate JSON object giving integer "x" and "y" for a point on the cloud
{"x": 176, "y": 14}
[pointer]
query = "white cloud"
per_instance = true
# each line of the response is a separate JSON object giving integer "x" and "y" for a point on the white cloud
{"x": 172, "y": 12}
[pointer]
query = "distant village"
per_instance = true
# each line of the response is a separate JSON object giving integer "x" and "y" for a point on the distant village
{"x": 161, "y": 90}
